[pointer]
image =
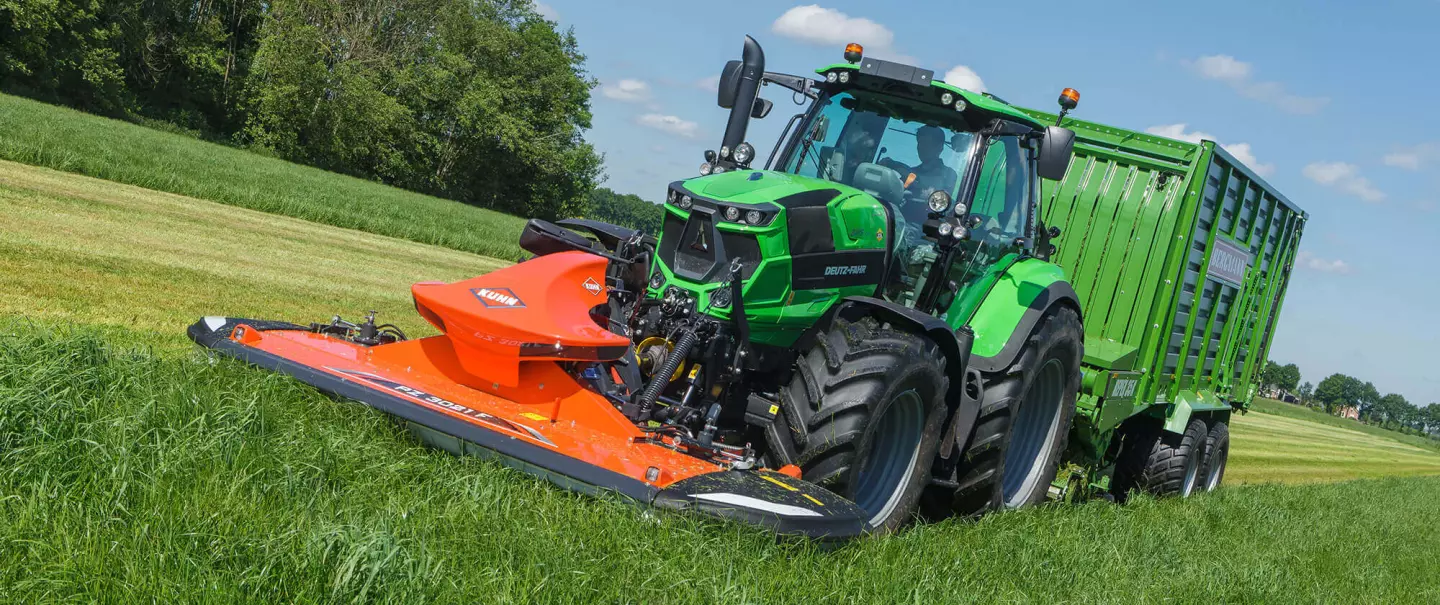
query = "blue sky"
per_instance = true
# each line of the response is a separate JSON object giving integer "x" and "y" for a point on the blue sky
{"x": 1333, "y": 102}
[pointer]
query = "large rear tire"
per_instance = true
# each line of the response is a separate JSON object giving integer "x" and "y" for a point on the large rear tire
{"x": 1160, "y": 462}
{"x": 862, "y": 417}
{"x": 1217, "y": 453}
{"x": 1015, "y": 448}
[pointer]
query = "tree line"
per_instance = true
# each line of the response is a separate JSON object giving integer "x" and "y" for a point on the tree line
{"x": 481, "y": 101}
{"x": 1339, "y": 391}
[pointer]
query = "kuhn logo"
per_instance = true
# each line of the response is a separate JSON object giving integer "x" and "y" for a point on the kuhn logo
{"x": 498, "y": 298}
{"x": 845, "y": 270}
{"x": 592, "y": 286}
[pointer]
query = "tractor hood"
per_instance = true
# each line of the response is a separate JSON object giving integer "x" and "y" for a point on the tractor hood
{"x": 762, "y": 186}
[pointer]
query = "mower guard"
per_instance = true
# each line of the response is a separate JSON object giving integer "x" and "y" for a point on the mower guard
{"x": 533, "y": 415}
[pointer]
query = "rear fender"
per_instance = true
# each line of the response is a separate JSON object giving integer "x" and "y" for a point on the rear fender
{"x": 1190, "y": 404}
{"x": 1010, "y": 311}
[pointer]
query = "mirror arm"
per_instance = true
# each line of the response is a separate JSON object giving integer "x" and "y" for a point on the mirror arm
{"x": 800, "y": 84}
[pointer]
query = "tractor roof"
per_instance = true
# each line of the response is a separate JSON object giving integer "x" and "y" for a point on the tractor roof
{"x": 976, "y": 100}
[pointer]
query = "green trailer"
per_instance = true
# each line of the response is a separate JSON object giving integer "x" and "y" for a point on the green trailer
{"x": 1180, "y": 255}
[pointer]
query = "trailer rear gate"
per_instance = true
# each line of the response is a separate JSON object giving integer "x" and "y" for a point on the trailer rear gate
{"x": 1180, "y": 255}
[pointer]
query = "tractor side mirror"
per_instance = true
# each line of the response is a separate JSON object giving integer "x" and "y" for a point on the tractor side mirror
{"x": 729, "y": 84}
{"x": 761, "y": 109}
{"x": 1055, "y": 151}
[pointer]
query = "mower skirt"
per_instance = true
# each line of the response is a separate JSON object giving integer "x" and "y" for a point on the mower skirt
{"x": 548, "y": 425}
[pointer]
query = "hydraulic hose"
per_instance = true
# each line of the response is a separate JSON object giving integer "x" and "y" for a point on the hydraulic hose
{"x": 661, "y": 377}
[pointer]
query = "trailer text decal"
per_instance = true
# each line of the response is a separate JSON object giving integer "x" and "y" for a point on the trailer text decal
{"x": 1228, "y": 262}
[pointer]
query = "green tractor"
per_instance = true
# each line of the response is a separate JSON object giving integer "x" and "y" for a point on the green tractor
{"x": 880, "y": 312}
{"x": 875, "y": 307}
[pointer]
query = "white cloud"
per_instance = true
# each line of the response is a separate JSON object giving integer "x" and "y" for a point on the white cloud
{"x": 820, "y": 26}
{"x": 670, "y": 124}
{"x": 1237, "y": 74}
{"x": 1223, "y": 67}
{"x": 547, "y": 11}
{"x": 628, "y": 90}
{"x": 1413, "y": 158}
{"x": 1344, "y": 177}
{"x": 708, "y": 84}
{"x": 1241, "y": 151}
{"x": 964, "y": 77}
{"x": 1309, "y": 261}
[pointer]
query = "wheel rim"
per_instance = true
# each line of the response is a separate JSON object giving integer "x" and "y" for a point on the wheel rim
{"x": 1217, "y": 468}
{"x": 1192, "y": 470}
{"x": 895, "y": 444}
{"x": 1032, "y": 434}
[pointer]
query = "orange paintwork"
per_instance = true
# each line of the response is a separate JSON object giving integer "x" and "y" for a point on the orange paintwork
{"x": 543, "y": 303}
{"x": 463, "y": 366}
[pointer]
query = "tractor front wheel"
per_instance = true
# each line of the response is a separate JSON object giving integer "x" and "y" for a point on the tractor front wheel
{"x": 862, "y": 417}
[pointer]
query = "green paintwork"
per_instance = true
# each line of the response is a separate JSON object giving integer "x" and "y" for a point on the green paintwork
{"x": 1140, "y": 217}
{"x": 1110, "y": 355}
{"x": 1187, "y": 403}
{"x": 1007, "y": 301}
{"x": 776, "y": 312}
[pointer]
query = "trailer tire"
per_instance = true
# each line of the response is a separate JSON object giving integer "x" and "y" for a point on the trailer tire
{"x": 1160, "y": 462}
{"x": 862, "y": 416}
{"x": 1034, "y": 397}
{"x": 1217, "y": 453}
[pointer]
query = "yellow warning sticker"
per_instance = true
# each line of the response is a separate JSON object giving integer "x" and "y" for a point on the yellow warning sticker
{"x": 534, "y": 416}
{"x": 694, "y": 371}
{"x": 774, "y": 409}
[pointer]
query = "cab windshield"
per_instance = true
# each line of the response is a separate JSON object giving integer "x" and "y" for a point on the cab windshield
{"x": 895, "y": 151}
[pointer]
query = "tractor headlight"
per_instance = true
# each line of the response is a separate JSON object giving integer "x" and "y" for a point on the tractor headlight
{"x": 754, "y": 217}
{"x": 705, "y": 169}
{"x": 724, "y": 152}
{"x": 732, "y": 214}
{"x": 960, "y": 105}
{"x": 960, "y": 233}
{"x": 945, "y": 229}
{"x": 657, "y": 280}
{"x": 744, "y": 153}
{"x": 939, "y": 201}
{"x": 832, "y": 77}
{"x": 946, "y": 98}
{"x": 685, "y": 202}
{"x": 844, "y": 77}
{"x": 961, "y": 209}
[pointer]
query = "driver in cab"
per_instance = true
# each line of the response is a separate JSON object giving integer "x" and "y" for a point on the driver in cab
{"x": 931, "y": 174}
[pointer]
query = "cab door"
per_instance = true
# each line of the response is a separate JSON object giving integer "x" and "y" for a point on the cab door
{"x": 1002, "y": 205}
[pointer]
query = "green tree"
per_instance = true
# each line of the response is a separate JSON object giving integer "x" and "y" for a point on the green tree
{"x": 1392, "y": 408}
{"x": 480, "y": 101}
{"x": 1369, "y": 398}
{"x": 625, "y": 209}
{"x": 1337, "y": 391}
{"x": 1306, "y": 391}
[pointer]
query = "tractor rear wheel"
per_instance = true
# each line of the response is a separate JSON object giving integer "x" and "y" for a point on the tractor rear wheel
{"x": 862, "y": 417}
{"x": 1217, "y": 452}
{"x": 1015, "y": 448}
{"x": 1160, "y": 462}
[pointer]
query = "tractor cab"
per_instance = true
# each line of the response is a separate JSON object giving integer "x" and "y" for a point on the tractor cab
{"x": 955, "y": 173}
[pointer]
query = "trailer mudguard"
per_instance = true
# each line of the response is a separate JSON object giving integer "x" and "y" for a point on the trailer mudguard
{"x": 1010, "y": 311}
{"x": 1188, "y": 403}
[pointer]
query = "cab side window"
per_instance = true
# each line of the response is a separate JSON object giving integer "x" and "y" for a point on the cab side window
{"x": 1002, "y": 194}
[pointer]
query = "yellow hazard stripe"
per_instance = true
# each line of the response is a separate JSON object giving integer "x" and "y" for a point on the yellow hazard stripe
{"x": 779, "y": 483}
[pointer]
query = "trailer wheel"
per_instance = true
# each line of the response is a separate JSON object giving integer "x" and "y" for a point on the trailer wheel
{"x": 1217, "y": 452}
{"x": 862, "y": 417}
{"x": 1025, "y": 413}
{"x": 1160, "y": 462}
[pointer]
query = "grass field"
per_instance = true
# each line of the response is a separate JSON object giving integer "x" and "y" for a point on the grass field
{"x": 65, "y": 139}
{"x": 1290, "y": 410}
{"x": 129, "y": 476}
{"x": 133, "y": 468}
